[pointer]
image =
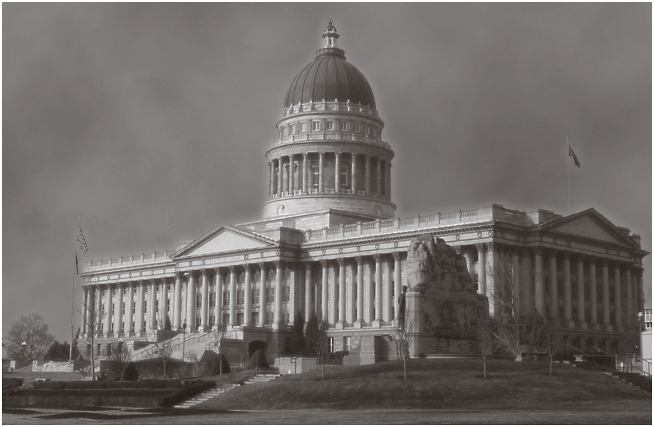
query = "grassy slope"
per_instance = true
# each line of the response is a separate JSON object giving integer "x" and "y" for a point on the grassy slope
{"x": 434, "y": 384}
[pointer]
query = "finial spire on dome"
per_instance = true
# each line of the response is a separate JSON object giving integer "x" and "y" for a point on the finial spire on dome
{"x": 330, "y": 36}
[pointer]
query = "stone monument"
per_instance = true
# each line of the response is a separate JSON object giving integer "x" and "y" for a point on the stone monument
{"x": 443, "y": 307}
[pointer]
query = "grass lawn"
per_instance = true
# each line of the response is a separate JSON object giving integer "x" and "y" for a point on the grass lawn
{"x": 30, "y": 377}
{"x": 443, "y": 384}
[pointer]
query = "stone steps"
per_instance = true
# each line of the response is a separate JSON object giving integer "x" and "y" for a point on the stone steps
{"x": 204, "y": 396}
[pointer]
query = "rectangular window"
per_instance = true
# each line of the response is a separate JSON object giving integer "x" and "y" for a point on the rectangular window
{"x": 343, "y": 176}
{"x": 316, "y": 125}
{"x": 286, "y": 318}
{"x": 198, "y": 322}
{"x": 270, "y": 295}
{"x": 356, "y": 127}
{"x": 292, "y": 129}
{"x": 255, "y": 296}
{"x": 347, "y": 343}
{"x": 330, "y": 125}
{"x": 342, "y": 125}
{"x": 330, "y": 344}
{"x": 212, "y": 300}
{"x": 286, "y": 294}
{"x": 303, "y": 127}
{"x": 225, "y": 319}
{"x": 367, "y": 130}
{"x": 225, "y": 298}
{"x": 255, "y": 318}
{"x": 240, "y": 297}
{"x": 239, "y": 319}
{"x": 270, "y": 317}
{"x": 315, "y": 176}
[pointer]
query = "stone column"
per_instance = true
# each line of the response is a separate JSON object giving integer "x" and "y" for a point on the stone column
{"x": 278, "y": 296}
{"x": 481, "y": 274}
{"x": 388, "y": 179}
{"x": 218, "y": 308}
{"x": 554, "y": 287}
{"x": 493, "y": 277}
{"x": 333, "y": 301}
{"x": 567, "y": 292}
{"x": 291, "y": 175}
{"x": 606, "y": 313}
{"x": 190, "y": 302}
{"x": 388, "y": 289}
{"x": 129, "y": 309}
{"x": 324, "y": 289}
{"x": 526, "y": 279}
{"x": 271, "y": 176}
{"x": 118, "y": 312}
{"x": 247, "y": 290}
{"x": 308, "y": 290}
{"x": 378, "y": 292}
{"x": 108, "y": 312}
{"x": 164, "y": 301}
{"x": 232, "y": 296}
{"x": 305, "y": 173}
{"x": 358, "y": 319}
{"x": 341, "y": 293}
{"x": 280, "y": 176}
{"x": 337, "y": 174}
{"x": 640, "y": 294}
{"x": 262, "y": 295}
{"x": 617, "y": 298}
{"x": 351, "y": 289}
{"x": 98, "y": 311}
{"x": 140, "y": 308}
{"x": 367, "y": 175}
{"x": 581, "y": 297}
{"x": 354, "y": 173}
{"x": 629, "y": 307}
{"x": 152, "y": 311}
{"x": 379, "y": 178}
{"x": 204, "y": 308}
{"x": 321, "y": 172}
{"x": 86, "y": 311}
{"x": 397, "y": 277}
{"x": 592, "y": 284}
{"x": 539, "y": 288}
{"x": 177, "y": 303}
{"x": 516, "y": 279}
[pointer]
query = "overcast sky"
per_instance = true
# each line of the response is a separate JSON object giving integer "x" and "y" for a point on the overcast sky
{"x": 116, "y": 112}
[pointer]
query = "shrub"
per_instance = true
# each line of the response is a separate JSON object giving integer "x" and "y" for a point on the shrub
{"x": 211, "y": 362}
{"x": 9, "y": 384}
{"x": 130, "y": 373}
{"x": 101, "y": 385}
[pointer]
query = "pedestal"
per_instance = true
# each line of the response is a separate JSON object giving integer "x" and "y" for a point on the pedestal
{"x": 414, "y": 324}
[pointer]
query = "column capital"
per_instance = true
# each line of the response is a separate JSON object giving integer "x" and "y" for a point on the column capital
{"x": 566, "y": 256}
{"x": 493, "y": 246}
{"x": 232, "y": 269}
{"x": 538, "y": 251}
{"x": 377, "y": 257}
{"x": 307, "y": 266}
{"x": 481, "y": 247}
{"x": 262, "y": 265}
{"x": 359, "y": 260}
{"x": 458, "y": 249}
{"x": 324, "y": 262}
{"x": 397, "y": 256}
{"x": 341, "y": 262}
{"x": 205, "y": 272}
{"x": 525, "y": 252}
{"x": 592, "y": 259}
{"x": 247, "y": 268}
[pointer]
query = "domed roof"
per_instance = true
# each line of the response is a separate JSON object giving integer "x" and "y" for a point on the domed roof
{"x": 330, "y": 77}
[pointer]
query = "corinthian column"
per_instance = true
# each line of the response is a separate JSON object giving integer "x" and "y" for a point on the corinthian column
{"x": 606, "y": 313}
{"x": 321, "y": 172}
{"x": 481, "y": 275}
{"x": 247, "y": 290}
{"x": 291, "y": 175}
{"x": 232, "y": 296}
{"x": 129, "y": 310}
{"x": 539, "y": 289}
{"x": 397, "y": 278}
{"x": 204, "y": 309}
{"x": 337, "y": 174}
{"x": 278, "y": 297}
{"x": 190, "y": 302}
{"x": 592, "y": 279}
{"x": 152, "y": 313}
{"x": 367, "y": 175}
{"x": 554, "y": 287}
{"x": 567, "y": 292}
{"x": 107, "y": 314}
{"x": 308, "y": 288}
{"x": 324, "y": 290}
{"x": 305, "y": 172}
{"x": 140, "y": 308}
{"x": 341, "y": 293}
{"x": 280, "y": 176}
{"x": 378, "y": 292}
{"x": 354, "y": 173}
{"x": 617, "y": 298}
{"x": 118, "y": 312}
{"x": 218, "y": 309}
{"x": 581, "y": 302}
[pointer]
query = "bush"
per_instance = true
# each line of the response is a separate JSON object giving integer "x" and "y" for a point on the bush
{"x": 153, "y": 368}
{"x": 98, "y": 385}
{"x": 130, "y": 373}
{"x": 211, "y": 362}
{"x": 257, "y": 356}
{"x": 190, "y": 389}
{"x": 9, "y": 384}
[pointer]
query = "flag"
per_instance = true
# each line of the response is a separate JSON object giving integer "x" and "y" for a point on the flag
{"x": 80, "y": 238}
{"x": 574, "y": 156}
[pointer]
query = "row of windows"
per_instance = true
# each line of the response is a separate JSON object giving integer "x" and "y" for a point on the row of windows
{"x": 329, "y": 125}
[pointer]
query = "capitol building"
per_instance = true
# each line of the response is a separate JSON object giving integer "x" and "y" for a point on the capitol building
{"x": 328, "y": 242}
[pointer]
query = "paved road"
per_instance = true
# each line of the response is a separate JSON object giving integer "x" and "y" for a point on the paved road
{"x": 629, "y": 413}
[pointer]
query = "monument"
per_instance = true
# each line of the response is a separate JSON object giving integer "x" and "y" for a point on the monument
{"x": 443, "y": 308}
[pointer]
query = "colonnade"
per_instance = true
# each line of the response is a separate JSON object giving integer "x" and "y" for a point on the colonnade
{"x": 348, "y": 291}
{"x": 330, "y": 172}
{"x": 584, "y": 292}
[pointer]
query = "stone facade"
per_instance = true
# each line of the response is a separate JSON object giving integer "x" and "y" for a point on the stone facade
{"x": 329, "y": 243}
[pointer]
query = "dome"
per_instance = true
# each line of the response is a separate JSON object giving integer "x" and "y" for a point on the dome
{"x": 330, "y": 77}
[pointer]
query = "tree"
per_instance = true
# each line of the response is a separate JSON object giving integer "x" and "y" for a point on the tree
{"x": 28, "y": 337}
{"x": 163, "y": 350}
{"x": 84, "y": 368}
{"x": 297, "y": 333}
{"x": 218, "y": 334}
{"x": 483, "y": 329}
{"x": 120, "y": 357}
{"x": 316, "y": 339}
{"x": 405, "y": 332}
{"x": 93, "y": 327}
{"x": 60, "y": 352}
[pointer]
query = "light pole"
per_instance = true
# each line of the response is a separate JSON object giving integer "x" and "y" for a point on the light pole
{"x": 24, "y": 344}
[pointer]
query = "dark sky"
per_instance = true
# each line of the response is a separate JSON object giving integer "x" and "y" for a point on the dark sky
{"x": 116, "y": 112}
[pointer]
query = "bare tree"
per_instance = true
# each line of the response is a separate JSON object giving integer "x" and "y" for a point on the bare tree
{"x": 484, "y": 338}
{"x": 316, "y": 339}
{"x": 218, "y": 334}
{"x": 93, "y": 327}
{"x": 120, "y": 357}
{"x": 84, "y": 368}
{"x": 163, "y": 350}
{"x": 405, "y": 332}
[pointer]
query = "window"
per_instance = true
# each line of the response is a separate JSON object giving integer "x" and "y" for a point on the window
{"x": 292, "y": 129}
{"x": 286, "y": 318}
{"x": 286, "y": 294}
{"x": 330, "y": 344}
{"x": 316, "y": 125}
{"x": 270, "y": 317}
{"x": 285, "y": 131}
{"x": 212, "y": 300}
{"x": 270, "y": 295}
{"x": 330, "y": 125}
{"x": 239, "y": 318}
{"x": 198, "y": 301}
{"x": 315, "y": 175}
{"x": 356, "y": 127}
{"x": 367, "y": 130}
{"x": 212, "y": 320}
{"x": 240, "y": 297}
{"x": 198, "y": 322}
{"x": 255, "y": 296}
{"x": 343, "y": 176}
{"x": 225, "y": 319}
{"x": 255, "y": 318}
{"x": 225, "y": 298}
{"x": 347, "y": 343}
{"x": 303, "y": 127}
{"x": 342, "y": 125}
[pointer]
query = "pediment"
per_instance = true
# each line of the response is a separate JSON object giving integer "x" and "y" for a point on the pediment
{"x": 592, "y": 225}
{"x": 225, "y": 239}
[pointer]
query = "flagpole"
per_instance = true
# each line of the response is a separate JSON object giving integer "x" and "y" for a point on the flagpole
{"x": 72, "y": 305}
{"x": 567, "y": 162}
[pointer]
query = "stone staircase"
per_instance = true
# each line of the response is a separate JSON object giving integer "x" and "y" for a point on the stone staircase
{"x": 262, "y": 377}
{"x": 204, "y": 396}
{"x": 644, "y": 382}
